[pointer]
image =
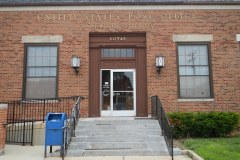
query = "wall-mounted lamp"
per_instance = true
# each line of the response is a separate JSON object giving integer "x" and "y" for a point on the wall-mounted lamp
{"x": 159, "y": 63}
{"x": 75, "y": 63}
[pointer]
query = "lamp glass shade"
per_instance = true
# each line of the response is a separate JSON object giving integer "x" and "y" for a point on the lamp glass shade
{"x": 159, "y": 61}
{"x": 75, "y": 62}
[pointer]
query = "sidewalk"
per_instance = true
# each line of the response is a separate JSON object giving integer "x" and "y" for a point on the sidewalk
{"x": 18, "y": 152}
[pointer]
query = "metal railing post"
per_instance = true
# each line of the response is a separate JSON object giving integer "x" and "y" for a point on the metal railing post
{"x": 22, "y": 114}
{"x": 166, "y": 127}
{"x": 23, "y": 133}
{"x": 156, "y": 106}
{"x": 162, "y": 127}
{"x": 43, "y": 114}
{"x": 63, "y": 140}
{"x": 172, "y": 141}
{"x": 32, "y": 134}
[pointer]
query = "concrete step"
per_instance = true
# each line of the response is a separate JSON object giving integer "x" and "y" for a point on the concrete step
{"x": 101, "y": 137}
{"x": 120, "y": 127}
{"x": 117, "y": 132}
{"x": 127, "y": 152}
{"x": 118, "y": 122}
{"x": 117, "y": 138}
{"x": 108, "y": 145}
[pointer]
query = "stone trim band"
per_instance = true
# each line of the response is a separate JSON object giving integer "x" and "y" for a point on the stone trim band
{"x": 121, "y": 7}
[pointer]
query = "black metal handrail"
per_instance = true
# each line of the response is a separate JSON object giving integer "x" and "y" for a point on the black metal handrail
{"x": 22, "y": 114}
{"x": 70, "y": 126}
{"x": 167, "y": 129}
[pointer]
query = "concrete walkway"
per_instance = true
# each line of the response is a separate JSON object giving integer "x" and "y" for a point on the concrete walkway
{"x": 17, "y": 152}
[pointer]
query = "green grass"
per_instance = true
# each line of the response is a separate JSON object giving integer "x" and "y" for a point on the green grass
{"x": 215, "y": 148}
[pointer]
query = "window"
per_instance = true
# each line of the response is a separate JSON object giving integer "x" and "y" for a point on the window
{"x": 117, "y": 53}
{"x": 194, "y": 76}
{"x": 41, "y": 72}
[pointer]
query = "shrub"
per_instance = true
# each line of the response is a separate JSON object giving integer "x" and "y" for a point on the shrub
{"x": 202, "y": 124}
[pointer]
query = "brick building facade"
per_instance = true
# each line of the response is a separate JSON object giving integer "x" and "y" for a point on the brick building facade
{"x": 200, "y": 44}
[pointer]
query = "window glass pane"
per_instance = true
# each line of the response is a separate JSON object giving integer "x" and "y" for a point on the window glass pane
{"x": 31, "y": 72}
{"x": 53, "y": 71}
{"x": 105, "y": 52}
{"x": 130, "y": 53}
{"x": 41, "y": 77}
{"x": 182, "y": 60}
{"x": 40, "y": 88}
{"x": 46, "y": 61}
{"x": 31, "y": 61}
{"x": 186, "y": 70}
{"x": 39, "y": 72}
{"x": 181, "y": 51}
{"x": 193, "y": 71}
{"x": 202, "y": 60}
{"x": 39, "y": 51}
{"x": 53, "y": 61}
{"x": 194, "y": 86}
{"x": 201, "y": 70}
{"x": 39, "y": 61}
{"x": 112, "y": 52}
{"x": 193, "y": 55}
{"x": 117, "y": 52}
{"x": 46, "y": 71}
{"x": 123, "y": 52}
{"x": 46, "y": 51}
{"x": 190, "y": 59}
{"x": 31, "y": 51}
{"x": 203, "y": 50}
{"x": 53, "y": 51}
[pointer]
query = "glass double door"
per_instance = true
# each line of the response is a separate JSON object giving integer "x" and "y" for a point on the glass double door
{"x": 118, "y": 93}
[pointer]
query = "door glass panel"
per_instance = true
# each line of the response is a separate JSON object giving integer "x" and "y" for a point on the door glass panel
{"x": 117, "y": 91}
{"x": 123, "y": 101}
{"x": 106, "y": 92}
{"x": 122, "y": 81}
{"x": 123, "y": 91}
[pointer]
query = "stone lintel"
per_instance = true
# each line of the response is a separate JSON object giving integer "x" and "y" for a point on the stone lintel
{"x": 3, "y": 106}
{"x": 238, "y": 37}
{"x": 192, "y": 38}
{"x": 42, "y": 39}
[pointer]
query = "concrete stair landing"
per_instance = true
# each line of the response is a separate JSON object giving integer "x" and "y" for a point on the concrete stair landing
{"x": 118, "y": 137}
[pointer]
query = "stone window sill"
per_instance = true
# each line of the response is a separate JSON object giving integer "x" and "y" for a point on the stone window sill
{"x": 196, "y": 100}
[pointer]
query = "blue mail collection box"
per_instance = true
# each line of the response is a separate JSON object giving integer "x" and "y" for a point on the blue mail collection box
{"x": 54, "y": 128}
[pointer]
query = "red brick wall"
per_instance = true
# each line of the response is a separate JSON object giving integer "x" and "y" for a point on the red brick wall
{"x": 159, "y": 26}
{"x": 3, "y": 119}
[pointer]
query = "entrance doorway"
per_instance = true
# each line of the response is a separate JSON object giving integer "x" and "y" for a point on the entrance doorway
{"x": 117, "y": 74}
{"x": 118, "y": 93}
